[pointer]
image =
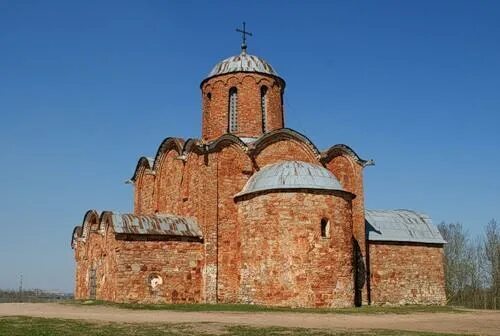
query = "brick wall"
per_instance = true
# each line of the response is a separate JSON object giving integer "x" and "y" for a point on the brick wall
{"x": 168, "y": 183}
{"x": 406, "y": 274}
{"x": 123, "y": 269}
{"x": 144, "y": 197}
{"x": 350, "y": 175}
{"x": 284, "y": 149}
{"x": 178, "y": 263}
{"x": 285, "y": 261}
{"x": 89, "y": 253}
{"x": 234, "y": 169}
{"x": 203, "y": 186}
{"x": 95, "y": 254}
{"x": 246, "y": 244}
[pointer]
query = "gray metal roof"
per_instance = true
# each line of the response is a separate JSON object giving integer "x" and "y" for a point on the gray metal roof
{"x": 242, "y": 63}
{"x": 401, "y": 226}
{"x": 291, "y": 175}
{"x": 169, "y": 225}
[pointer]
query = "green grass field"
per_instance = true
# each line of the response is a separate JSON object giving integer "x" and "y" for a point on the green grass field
{"x": 256, "y": 308}
{"x": 29, "y": 326}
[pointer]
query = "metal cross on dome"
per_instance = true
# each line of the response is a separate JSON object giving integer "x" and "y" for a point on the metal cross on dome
{"x": 244, "y": 34}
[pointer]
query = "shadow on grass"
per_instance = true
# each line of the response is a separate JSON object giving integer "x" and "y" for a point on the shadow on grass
{"x": 247, "y": 308}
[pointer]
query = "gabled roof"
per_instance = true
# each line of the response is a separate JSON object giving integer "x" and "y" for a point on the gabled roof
{"x": 401, "y": 226}
{"x": 152, "y": 225}
{"x": 165, "y": 224}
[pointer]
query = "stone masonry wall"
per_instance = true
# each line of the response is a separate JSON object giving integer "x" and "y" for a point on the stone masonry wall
{"x": 203, "y": 187}
{"x": 168, "y": 183}
{"x": 81, "y": 272}
{"x": 285, "y": 261}
{"x": 95, "y": 253}
{"x": 350, "y": 175}
{"x": 285, "y": 149}
{"x": 406, "y": 274}
{"x": 234, "y": 170}
{"x": 144, "y": 202}
{"x": 178, "y": 263}
{"x": 124, "y": 269}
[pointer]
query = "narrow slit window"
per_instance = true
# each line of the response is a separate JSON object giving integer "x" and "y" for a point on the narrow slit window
{"x": 233, "y": 110}
{"x": 263, "y": 107}
{"x": 325, "y": 228}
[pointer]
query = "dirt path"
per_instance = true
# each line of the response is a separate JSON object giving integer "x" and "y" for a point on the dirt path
{"x": 473, "y": 322}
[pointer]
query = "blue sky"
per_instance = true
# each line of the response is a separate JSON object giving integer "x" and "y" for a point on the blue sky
{"x": 88, "y": 87}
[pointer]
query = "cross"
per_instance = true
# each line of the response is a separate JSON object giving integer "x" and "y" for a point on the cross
{"x": 244, "y": 34}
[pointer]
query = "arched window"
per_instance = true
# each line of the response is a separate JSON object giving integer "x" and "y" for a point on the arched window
{"x": 325, "y": 228}
{"x": 282, "y": 110}
{"x": 263, "y": 107}
{"x": 233, "y": 110}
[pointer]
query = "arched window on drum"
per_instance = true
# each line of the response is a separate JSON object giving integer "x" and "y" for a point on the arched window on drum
{"x": 233, "y": 110}
{"x": 263, "y": 107}
{"x": 325, "y": 228}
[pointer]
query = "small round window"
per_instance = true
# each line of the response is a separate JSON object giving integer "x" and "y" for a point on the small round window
{"x": 155, "y": 281}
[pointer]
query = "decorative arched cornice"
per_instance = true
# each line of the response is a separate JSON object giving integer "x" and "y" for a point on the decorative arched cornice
{"x": 90, "y": 217}
{"x": 229, "y": 75}
{"x": 232, "y": 80}
{"x": 224, "y": 140}
{"x": 191, "y": 145}
{"x": 213, "y": 84}
{"x": 208, "y": 87}
{"x": 145, "y": 162}
{"x": 344, "y": 149}
{"x": 266, "y": 80}
{"x": 249, "y": 76}
{"x": 282, "y": 134}
{"x": 105, "y": 216}
{"x": 169, "y": 143}
{"x": 75, "y": 235}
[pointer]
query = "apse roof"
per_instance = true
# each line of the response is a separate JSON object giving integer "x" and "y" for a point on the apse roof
{"x": 164, "y": 224}
{"x": 401, "y": 226}
{"x": 291, "y": 175}
{"x": 242, "y": 63}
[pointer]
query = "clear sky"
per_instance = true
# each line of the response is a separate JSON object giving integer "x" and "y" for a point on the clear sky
{"x": 88, "y": 87}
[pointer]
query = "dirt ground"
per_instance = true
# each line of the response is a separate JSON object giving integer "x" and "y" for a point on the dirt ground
{"x": 471, "y": 322}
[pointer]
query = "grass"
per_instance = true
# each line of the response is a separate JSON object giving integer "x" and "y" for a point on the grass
{"x": 31, "y": 326}
{"x": 409, "y": 309}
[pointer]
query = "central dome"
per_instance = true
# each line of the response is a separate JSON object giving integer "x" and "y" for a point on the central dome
{"x": 242, "y": 95}
{"x": 243, "y": 63}
{"x": 291, "y": 175}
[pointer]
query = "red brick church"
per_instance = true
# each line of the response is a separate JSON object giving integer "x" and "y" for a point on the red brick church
{"x": 253, "y": 212}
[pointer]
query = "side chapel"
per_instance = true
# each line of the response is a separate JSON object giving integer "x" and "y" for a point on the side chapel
{"x": 253, "y": 212}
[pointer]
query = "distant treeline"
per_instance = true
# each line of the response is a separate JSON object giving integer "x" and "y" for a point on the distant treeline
{"x": 472, "y": 266}
{"x": 32, "y": 295}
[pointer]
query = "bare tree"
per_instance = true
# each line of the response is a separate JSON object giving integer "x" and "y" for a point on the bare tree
{"x": 472, "y": 267}
{"x": 457, "y": 265}
{"x": 492, "y": 252}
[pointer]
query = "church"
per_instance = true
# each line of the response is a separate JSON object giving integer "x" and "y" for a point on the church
{"x": 253, "y": 212}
